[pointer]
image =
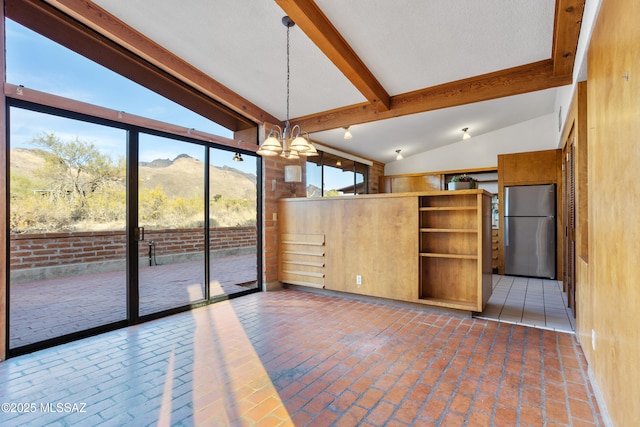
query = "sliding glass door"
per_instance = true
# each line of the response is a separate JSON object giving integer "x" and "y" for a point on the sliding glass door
{"x": 171, "y": 219}
{"x": 110, "y": 224}
{"x": 233, "y": 233}
{"x": 67, "y": 227}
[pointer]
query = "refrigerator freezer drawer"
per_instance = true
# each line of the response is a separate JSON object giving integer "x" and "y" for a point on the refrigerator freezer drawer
{"x": 530, "y": 246}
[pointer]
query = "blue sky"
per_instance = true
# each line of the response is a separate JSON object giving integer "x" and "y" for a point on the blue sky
{"x": 38, "y": 63}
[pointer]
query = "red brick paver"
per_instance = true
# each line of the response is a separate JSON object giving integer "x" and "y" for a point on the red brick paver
{"x": 298, "y": 358}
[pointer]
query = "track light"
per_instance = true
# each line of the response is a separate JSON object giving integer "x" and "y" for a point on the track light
{"x": 398, "y": 156}
{"x": 465, "y": 133}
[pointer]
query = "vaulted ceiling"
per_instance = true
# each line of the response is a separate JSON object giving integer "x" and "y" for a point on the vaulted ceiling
{"x": 407, "y": 74}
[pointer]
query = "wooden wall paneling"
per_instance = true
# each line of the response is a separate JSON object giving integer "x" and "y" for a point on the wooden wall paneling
{"x": 381, "y": 246}
{"x": 559, "y": 214}
{"x": 367, "y": 236}
{"x": 582, "y": 195}
{"x": 614, "y": 203}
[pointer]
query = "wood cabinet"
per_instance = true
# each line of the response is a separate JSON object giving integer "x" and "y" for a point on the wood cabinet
{"x": 411, "y": 183}
{"x": 495, "y": 244}
{"x": 533, "y": 167}
{"x": 454, "y": 249}
{"x": 487, "y": 179}
{"x": 430, "y": 248}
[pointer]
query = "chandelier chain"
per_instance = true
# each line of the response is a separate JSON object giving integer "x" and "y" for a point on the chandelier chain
{"x": 288, "y": 78}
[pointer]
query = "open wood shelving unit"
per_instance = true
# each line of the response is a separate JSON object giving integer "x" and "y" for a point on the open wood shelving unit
{"x": 451, "y": 244}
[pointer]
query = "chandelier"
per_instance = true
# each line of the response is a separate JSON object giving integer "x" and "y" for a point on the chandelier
{"x": 290, "y": 142}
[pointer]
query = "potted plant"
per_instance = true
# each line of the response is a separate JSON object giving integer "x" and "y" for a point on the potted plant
{"x": 462, "y": 182}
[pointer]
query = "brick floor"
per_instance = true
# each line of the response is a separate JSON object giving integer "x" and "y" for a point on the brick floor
{"x": 299, "y": 358}
{"x": 45, "y": 309}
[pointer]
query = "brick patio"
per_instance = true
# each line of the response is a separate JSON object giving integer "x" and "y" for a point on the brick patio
{"x": 46, "y": 309}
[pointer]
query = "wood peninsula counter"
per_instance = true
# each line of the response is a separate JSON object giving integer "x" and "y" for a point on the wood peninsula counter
{"x": 431, "y": 248}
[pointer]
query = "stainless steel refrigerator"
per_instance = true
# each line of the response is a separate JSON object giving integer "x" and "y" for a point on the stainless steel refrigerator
{"x": 530, "y": 230}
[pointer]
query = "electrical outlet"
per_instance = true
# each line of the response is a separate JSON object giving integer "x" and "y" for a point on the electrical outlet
{"x": 593, "y": 339}
{"x": 358, "y": 280}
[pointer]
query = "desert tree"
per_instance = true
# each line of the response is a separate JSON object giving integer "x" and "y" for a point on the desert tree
{"x": 75, "y": 169}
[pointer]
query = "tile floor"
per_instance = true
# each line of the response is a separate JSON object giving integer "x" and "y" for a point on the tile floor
{"x": 299, "y": 358}
{"x": 528, "y": 301}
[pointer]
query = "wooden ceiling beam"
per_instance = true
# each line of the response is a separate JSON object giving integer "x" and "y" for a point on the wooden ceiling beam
{"x": 121, "y": 45}
{"x": 513, "y": 81}
{"x": 308, "y": 16}
{"x": 568, "y": 20}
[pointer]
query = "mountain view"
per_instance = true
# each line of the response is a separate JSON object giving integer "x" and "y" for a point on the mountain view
{"x": 43, "y": 193}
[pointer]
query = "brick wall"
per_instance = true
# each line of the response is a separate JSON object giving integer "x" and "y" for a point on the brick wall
{"x": 274, "y": 189}
{"x": 53, "y": 249}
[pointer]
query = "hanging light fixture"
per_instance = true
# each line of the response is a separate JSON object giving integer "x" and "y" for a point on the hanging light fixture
{"x": 398, "y": 155}
{"x": 290, "y": 142}
{"x": 238, "y": 158}
{"x": 465, "y": 133}
{"x": 347, "y": 133}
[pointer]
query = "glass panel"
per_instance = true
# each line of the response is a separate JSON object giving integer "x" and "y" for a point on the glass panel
{"x": 171, "y": 210}
{"x": 338, "y": 176}
{"x": 52, "y": 68}
{"x": 232, "y": 221}
{"x": 314, "y": 176}
{"x": 67, "y": 226}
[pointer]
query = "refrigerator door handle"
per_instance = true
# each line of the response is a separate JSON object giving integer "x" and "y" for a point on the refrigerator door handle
{"x": 506, "y": 234}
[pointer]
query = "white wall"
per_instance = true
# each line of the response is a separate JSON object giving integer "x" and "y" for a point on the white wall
{"x": 542, "y": 133}
{"x": 482, "y": 151}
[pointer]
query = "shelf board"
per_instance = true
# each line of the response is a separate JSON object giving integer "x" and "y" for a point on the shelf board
{"x": 307, "y": 263}
{"x": 439, "y": 255}
{"x": 302, "y": 283}
{"x": 448, "y": 208}
{"x": 461, "y": 305}
{"x": 318, "y": 254}
{"x": 304, "y": 273}
{"x": 291, "y": 242}
{"x": 449, "y": 230}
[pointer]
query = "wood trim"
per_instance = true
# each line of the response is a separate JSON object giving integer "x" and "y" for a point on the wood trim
{"x": 582, "y": 197}
{"x": 448, "y": 172}
{"x": 568, "y": 20}
{"x": 308, "y": 16}
{"x": 85, "y": 28}
{"x": 71, "y": 105}
{"x": 513, "y": 81}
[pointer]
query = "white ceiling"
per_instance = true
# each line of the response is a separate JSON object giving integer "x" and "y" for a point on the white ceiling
{"x": 406, "y": 44}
